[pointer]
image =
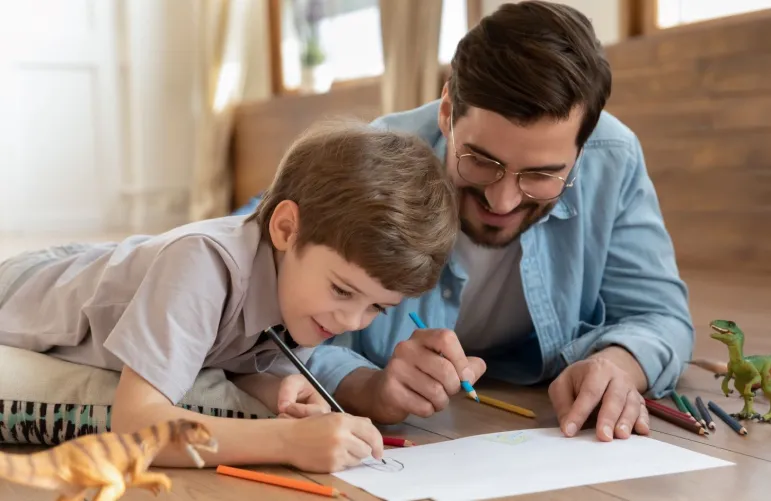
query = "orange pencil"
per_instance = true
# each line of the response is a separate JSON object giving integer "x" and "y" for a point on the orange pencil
{"x": 266, "y": 478}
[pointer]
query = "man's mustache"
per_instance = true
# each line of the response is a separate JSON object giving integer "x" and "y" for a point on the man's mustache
{"x": 480, "y": 197}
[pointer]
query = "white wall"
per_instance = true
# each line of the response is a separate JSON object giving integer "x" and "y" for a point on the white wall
{"x": 604, "y": 15}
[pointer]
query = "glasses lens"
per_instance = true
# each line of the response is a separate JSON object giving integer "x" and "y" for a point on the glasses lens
{"x": 540, "y": 185}
{"x": 478, "y": 170}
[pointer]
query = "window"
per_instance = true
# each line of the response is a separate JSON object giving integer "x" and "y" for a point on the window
{"x": 323, "y": 41}
{"x": 675, "y": 12}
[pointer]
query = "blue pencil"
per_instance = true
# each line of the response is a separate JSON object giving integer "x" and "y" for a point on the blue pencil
{"x": 727, "y": 419}
{"x": 464, "y": 384}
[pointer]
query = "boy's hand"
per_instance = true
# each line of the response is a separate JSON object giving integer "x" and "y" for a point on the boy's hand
{"x": 297, "y": 398}
{"x": 332, "y": 442}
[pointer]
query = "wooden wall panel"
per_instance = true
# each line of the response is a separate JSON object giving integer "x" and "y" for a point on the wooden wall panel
{"x": 264, "y": 131}
{"x": 699, "y": 98}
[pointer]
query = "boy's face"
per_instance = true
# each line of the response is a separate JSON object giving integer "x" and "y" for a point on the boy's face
{"x": 321, "y": 294}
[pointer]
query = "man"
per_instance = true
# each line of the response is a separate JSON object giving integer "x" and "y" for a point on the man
{"x": 564, "y": 269}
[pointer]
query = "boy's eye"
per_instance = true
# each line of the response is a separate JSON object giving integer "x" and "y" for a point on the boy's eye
{"x": 341, "y": 292}
{"x": 380, "y": 309}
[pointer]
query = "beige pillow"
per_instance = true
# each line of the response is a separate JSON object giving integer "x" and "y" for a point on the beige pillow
{"x": 47, "y": 400}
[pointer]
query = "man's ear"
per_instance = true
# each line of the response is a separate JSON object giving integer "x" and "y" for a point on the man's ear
{"x": 445, "y": 111}
{"x": 284, "y": 223}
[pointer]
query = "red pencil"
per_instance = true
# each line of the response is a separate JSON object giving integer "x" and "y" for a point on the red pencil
{"x": 651, "y": 403}
{"x": 397, "y": 442}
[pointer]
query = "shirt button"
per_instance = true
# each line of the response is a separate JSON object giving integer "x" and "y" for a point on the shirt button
{"x": 447, "y": 293}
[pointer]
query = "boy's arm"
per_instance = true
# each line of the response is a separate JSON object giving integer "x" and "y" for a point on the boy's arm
{"x": 138, "y": 404}
{"x": 262, "y": 386}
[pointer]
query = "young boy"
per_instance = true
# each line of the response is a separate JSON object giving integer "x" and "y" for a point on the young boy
{"x": 355, "y": 220}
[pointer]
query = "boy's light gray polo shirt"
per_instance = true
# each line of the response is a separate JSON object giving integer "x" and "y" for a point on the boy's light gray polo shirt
{"x": 167, "y": 305}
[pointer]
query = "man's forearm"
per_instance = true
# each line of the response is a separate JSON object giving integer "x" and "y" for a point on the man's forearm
{"x": 626, "y": 361}
{"x": 355, "y": 393}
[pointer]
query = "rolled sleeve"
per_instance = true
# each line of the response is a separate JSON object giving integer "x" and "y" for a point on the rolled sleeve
{"x": 646, "y": 302}
{"x": 171, "y": 323}
{"x": 331, "y": 363}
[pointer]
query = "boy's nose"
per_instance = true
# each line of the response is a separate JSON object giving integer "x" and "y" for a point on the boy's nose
{"x": 350, "y": 320}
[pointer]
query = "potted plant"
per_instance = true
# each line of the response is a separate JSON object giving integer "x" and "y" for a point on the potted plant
{"x": 315, "y": 73}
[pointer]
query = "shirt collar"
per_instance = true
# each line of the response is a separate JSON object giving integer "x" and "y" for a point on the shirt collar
{"x": 261, "y": 309}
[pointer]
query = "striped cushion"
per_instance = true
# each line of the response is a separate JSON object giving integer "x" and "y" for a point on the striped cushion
{"x": 44, "y": 400}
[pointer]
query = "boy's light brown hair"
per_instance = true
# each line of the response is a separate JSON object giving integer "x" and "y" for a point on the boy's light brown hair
{"x": 381, "y": 199}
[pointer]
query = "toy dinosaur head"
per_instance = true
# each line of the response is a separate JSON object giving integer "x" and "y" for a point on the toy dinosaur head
{"x": 194, "y": 437}
{"x": 726, "y": 331}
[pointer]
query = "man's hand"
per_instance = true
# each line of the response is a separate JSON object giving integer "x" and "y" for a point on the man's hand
{"x": 297, "y": 398}
{"x": 417, "y": 380}
{"x": 611, "y": 377}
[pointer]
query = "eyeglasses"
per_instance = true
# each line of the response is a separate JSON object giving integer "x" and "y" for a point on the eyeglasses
{"x": 483, "y": 171}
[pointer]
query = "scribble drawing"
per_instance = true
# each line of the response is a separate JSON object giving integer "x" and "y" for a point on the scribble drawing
{"x": 391, "y": 465}
{"x": 510, "y": 438}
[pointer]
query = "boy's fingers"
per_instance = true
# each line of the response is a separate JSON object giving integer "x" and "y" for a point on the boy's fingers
{"x": 288, "y": 391}
{"x": 446, "y": 343}
{"x": 366, "y": 431}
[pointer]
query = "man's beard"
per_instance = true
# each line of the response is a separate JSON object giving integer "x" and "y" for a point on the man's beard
{"x": 494, "y": 236}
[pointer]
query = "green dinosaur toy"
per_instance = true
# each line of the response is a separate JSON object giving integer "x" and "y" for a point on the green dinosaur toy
{"x": 745, "y": 371}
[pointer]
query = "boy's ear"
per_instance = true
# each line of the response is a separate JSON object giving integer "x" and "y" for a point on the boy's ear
{"x": 284, "y": 224}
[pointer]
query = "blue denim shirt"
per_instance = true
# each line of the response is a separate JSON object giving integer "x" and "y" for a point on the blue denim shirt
{"x": 598, "y": 270}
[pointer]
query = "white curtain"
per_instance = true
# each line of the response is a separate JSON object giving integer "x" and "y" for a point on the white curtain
{"x": 234, "y": 66}
{"x": 410, "y": 31}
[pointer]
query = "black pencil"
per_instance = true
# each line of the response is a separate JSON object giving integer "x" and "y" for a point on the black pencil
{"x": 733, "y": 423}
{"x": 300, "y": 367}
{"x": 705, "y": 413}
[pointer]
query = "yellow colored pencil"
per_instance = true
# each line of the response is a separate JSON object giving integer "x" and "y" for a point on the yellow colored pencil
{"x": 505, "y": 406}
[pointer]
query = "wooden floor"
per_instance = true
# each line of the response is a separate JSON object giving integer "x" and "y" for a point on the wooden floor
{"x": 744, "y": 299}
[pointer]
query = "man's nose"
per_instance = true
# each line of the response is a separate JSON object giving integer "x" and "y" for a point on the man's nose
{"x": 505, "y": 195}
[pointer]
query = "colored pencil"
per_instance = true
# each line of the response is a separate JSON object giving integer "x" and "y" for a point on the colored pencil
{"x": 505, "y": 406}
{"x": 727, "y": 419}
{"x": 299, "y": 485}
{"x": 685, "y": 424}
{"x": 693, "y": 410}
{"x": 464, "y": 384}
{"x": 679, "y": 403}
{"x": 705, "y": 413}
{"x": 663, "y": 408}
{"x": 300, "y": 367}
{"x": 397, "y": 442}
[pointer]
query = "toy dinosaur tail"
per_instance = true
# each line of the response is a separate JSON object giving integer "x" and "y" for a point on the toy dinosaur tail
{"x": 37, "y": 469}
{"x": 713, "y": 366}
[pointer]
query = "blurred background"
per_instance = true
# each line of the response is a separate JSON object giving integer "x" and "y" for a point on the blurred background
{"x": 133, "y": 116}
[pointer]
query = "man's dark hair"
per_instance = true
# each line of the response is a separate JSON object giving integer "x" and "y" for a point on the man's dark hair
{"x": 532, "y": 60}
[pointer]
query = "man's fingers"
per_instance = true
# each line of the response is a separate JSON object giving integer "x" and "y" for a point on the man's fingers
{"x": 478, "y": 367}
{"x": 629, "y": 415}
{"x": 305, "y": 410}
{"x": 562, "y": 398}
{"x": 590, "y": 394}
{"x": 425, "y": 387}
{"x": 446, "y": 342}
{"x": 615, "y": 402}
{"x": 642, "y": 424}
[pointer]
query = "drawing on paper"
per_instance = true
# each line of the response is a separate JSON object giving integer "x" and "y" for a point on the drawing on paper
{"x": 391, "y": 465}
{"x": 509, "y": 438}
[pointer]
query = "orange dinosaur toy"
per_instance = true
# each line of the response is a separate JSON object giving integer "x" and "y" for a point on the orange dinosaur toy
{"x": 110, "y": 462}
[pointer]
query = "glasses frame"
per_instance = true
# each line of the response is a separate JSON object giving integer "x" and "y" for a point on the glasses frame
{"x": 503, "y": 170}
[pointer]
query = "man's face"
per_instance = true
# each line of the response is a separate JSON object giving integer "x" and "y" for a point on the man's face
{"x": 496, "y": 214}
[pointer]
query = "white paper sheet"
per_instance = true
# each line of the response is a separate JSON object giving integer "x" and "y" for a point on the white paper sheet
{"x": 518, "y": 462}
